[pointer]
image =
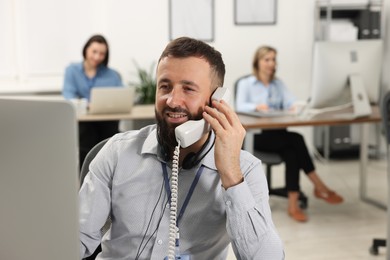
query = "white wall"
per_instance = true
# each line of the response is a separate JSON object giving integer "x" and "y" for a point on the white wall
{"x": 49, "y": 35}
{"x": 144, "y": 33}
{"x": 41, "y": 37}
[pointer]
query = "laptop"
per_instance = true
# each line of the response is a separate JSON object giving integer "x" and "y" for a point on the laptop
{"x": 39, "y": 180}
{"x": 111, "y": 100}
{"x": 272, "y": 113}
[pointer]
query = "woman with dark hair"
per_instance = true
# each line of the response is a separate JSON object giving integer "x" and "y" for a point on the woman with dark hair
{"x": 80, "y": 78}
{"x": 262, "y": 91}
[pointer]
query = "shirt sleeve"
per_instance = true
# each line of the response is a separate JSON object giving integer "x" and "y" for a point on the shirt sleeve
{"x": 249, "y": 220}
{"x": 69, "y": 89}
{"x": 288, "y": 97}
{"x": 118, "y": 79}
{"x": 243, "y": 103}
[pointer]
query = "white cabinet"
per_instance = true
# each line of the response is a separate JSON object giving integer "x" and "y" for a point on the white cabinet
{"x": 363, "y": 15}
{"x": 345, "y": 20}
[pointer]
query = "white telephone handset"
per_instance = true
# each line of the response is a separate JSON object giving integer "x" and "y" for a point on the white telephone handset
{"x": 186, "y": 134}
{"x": 191, "y": 131}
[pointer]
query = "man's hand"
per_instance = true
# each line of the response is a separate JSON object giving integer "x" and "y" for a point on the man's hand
{"x": 230, "y": 135}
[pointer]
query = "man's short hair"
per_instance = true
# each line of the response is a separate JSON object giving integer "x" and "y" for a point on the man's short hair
{"x": 184, "y": 47}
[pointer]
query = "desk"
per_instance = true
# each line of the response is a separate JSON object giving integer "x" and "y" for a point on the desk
{"x": 254, "y": 123}
{"x": 324, "y": 119}
{"x": 138, "y": 112}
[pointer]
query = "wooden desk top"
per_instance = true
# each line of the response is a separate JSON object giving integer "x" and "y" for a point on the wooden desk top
{"x": 138, "y": 112}
{"x": 328, "y": 118}
{"x": 249, "y": 122}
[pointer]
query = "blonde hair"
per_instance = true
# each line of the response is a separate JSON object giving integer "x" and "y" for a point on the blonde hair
{"x": 259, "y": 54}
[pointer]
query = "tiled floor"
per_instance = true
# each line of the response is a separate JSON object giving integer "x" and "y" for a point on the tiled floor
{"x": 335, "y": 231}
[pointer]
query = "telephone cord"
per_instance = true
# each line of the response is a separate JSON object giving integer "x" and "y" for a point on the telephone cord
{"x": 173, "y": 229}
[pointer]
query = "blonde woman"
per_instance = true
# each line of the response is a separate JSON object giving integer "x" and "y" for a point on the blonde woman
{"x": 262, "y": 91}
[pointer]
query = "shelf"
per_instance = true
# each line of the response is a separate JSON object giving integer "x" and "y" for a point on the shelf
{"x": 350, "y": 5}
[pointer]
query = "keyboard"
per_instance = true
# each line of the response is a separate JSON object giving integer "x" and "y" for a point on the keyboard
{"x": 271, "y": 113}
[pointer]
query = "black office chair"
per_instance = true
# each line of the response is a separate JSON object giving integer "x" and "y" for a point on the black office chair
{"x": 270, "y": 159}
{"x": 89, "y": 157}
{"x": 385, "y": 112}
{"x": 83, "y": 172}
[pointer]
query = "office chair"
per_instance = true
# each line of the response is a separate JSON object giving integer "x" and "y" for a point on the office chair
{"x": 385, "y": 112}
{"x": 83, "y": 172}
{"x": 270, "y": 159}
{"x": 89, "y": 157}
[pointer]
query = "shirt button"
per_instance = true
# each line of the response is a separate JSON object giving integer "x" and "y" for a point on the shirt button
{"x": 159, "y": 242}
{"x": 228, "y": 203}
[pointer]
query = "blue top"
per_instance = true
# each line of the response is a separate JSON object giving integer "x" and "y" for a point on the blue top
{"x": 251, "y": 92}
{"x": 78, "y": 85}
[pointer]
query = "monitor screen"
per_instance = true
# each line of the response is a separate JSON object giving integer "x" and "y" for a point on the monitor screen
{"x": 39, "y": 179}
{"x": 338, "y": 67}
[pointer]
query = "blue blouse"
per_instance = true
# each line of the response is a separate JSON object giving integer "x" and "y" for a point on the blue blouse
{"x": 78, "y": 85}
{"x": 250, "y": 92}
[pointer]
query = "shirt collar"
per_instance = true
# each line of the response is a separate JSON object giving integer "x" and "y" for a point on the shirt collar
{"x": 80, "y": 66}
{"x": 151, "y": 145}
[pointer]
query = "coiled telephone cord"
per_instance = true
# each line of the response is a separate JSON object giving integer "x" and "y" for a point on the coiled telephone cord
{"x": 173, "y": 229}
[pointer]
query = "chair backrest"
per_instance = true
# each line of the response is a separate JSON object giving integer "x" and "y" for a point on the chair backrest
{"x": 386, "y": 116}
{"x": 266, "y": 157}
{"x": 91, "y": 154}
{"x": 236, "y": 86}
{"x": 385, "y": 112}
{"x": 83, "y": 172}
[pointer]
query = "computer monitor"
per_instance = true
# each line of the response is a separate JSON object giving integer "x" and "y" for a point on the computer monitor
{"x": 38, "y": 180}
{"x": 345, "y": 72}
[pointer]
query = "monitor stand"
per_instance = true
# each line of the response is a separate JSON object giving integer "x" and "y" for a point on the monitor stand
{"x": 360, "y": 103}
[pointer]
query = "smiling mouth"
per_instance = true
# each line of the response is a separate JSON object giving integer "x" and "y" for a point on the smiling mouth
{"x": 176, "y": 115}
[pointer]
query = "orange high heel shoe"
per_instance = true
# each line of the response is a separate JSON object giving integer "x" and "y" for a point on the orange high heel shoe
{"x": 331, "y": 197}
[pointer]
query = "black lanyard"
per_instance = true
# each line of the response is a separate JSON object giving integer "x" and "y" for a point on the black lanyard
{"x": 190, "y": 192}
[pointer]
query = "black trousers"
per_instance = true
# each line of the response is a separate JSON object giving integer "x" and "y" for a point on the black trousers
{"x": 91, "y": 133}
{"x": 292, "y": 148}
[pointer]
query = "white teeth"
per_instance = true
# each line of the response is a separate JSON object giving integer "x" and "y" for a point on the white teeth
{"x": 176, "y": 115}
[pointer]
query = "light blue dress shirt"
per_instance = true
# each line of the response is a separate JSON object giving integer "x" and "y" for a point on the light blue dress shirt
{"x": 125, "y": 180}
{"x": 251, "y": 92}
{"x": 78, "y": 85}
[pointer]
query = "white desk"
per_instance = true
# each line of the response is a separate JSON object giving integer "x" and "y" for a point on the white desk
{"x": 138, "y": 112}
{"x": 253, "y": 124}
{"x": 325, "y": 119}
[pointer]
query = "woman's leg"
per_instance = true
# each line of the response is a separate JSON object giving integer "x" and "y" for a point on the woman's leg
{"x": 322, "y": 191}
{"x": 278, "y": 141}
{"x": 317, "y": 182}
{"x": 297, "y": 143}
{"x": 306, "y": 163}
{"x": 294, "y": 210}
{"x": 290, "y": 158}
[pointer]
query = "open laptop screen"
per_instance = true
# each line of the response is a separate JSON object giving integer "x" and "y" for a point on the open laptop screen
{"x": 111, "y": 100}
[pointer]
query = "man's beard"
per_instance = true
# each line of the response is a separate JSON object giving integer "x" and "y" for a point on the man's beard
{"x": 166, "y": 132}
